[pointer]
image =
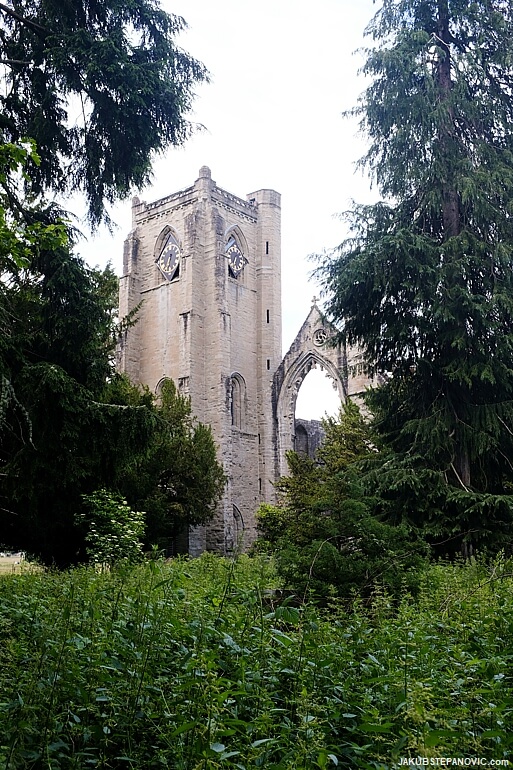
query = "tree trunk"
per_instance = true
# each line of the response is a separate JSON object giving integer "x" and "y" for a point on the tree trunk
{"x": 451, "y": 214}
{"x": 462, "y": 467}
{"x": 451, "y": 206}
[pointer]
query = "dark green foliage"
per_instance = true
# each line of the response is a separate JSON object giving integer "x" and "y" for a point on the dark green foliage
{"x": 177, "y": 480}
{"x": 88, "y": 80}
{"x": 74, "y": 446}
{"x": 64, "y": 432}
{"x": 191, "y": 665}
{"x": 425, "y": 282}
{"x": 25, "y": 232}
{"x": 156, "y": 456}
{"x": 68, "y": 424}
{"x": 55, "y": 355}
{"x": 324, "y": 535}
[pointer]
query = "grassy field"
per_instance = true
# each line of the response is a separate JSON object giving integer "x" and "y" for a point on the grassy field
{"x": 198, "y": 664}
{"x": 11, "y": 564}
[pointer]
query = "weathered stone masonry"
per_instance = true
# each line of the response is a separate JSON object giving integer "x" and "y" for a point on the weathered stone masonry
{"x": 205, "y": 267}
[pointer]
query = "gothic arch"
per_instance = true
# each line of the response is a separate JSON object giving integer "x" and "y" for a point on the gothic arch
{"x": 160, "y": 385}
{"x": 235, "y": 237}
{"x": 238, "y": 400}
{"x": 236, "y": 232}
{"x": 162, "y": 237}
{"x": 310, "y": 349}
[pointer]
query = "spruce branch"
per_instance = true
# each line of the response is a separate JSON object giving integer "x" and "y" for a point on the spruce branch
{"x": 41, "y": 31}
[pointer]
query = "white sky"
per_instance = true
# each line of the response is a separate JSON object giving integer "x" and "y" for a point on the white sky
{"x": 282, "y": 72}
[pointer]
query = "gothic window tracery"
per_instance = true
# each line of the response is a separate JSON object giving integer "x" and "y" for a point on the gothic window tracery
{"x": 168, "y": 254}
{"x": 320, "y": 336}
{"x": 234, "y": 253}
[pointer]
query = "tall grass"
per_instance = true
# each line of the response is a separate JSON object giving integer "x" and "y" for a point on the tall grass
{"x": 195, "y": 664}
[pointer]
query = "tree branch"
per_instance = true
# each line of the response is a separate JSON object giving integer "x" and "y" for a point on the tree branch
{"x": 117, "y": 406}
{"x": 27, "y": 22}
{"x": 459, "y": 479}
{"x": 15, "y": 62}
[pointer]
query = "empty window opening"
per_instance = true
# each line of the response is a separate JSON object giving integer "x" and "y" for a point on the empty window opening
{"x": 267, "y": 247}
{"x": 268, "y": 315}
{"x": 301, "y": 444}
{"x": 268, "y": 363}
{"x": 317, "y": 397}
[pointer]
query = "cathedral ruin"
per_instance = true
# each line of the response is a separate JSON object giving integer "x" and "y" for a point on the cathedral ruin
{"x": 205, "y": 267}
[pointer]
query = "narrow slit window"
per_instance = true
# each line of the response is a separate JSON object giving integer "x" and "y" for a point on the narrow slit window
{"x": 268, "y": 363}
{"x": 267, "y": 247}
{"x": 236, "y": 403}
{"x": 267, "y": 314}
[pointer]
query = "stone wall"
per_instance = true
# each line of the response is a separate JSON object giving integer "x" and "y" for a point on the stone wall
{"x": 215, "y": 332}
{"x": 309, "y": 435}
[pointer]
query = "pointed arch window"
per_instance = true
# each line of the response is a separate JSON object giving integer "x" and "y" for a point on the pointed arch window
{"x": 301, "y": 443}
{"x": 235, "y": 255}
{"x": 168, "y": 255}
{"x": 237, "y": 400}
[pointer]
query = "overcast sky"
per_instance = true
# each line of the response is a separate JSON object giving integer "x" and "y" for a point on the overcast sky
{"x": 282, "y": 73}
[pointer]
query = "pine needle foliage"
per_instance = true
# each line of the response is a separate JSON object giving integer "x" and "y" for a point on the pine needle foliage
{"x": 424, "y": 282}
{"x": 324, "y": 534}
{"x": 87, "y": 80}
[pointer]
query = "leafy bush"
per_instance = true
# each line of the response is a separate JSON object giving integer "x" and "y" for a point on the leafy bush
{"x": 114, "y": 531}
{"x": 196, "y": 664}
{"x": 323, "y": 534}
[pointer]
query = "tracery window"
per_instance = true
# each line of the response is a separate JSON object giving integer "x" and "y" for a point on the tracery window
{"x": 168, "y": 255}
{"x": 235, "y": 256}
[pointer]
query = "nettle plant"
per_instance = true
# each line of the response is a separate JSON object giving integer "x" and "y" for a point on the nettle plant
{"x": 114, "y": 530}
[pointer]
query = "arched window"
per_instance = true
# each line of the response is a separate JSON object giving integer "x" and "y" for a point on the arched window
{"x": 237, "y": 398}
{"x": 162, "y": 384}
{"x": 234, "y": 251}
{"x": 168, "y": 254}
{"x": 301, "y": 443}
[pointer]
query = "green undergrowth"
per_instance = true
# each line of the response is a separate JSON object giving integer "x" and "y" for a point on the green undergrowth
{"x": 202, "y": 664}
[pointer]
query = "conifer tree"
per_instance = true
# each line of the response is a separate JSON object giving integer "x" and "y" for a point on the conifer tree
{"x": 100, "y": 86}
{"x": 323, "y": 534}
{"x": 424, "y": 283}
{"x": 70, "y": 426}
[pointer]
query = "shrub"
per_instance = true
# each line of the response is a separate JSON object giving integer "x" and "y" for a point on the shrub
{"x": 323, "y": 533}
{"x": 196, "y": 665}
{"x": 114, "y": 531}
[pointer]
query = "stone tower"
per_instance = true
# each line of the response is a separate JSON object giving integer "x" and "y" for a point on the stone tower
{"x": 204, "y": 265}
